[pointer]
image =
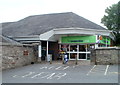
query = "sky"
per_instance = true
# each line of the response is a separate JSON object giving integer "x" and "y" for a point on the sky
{"x": 14, "y": 10}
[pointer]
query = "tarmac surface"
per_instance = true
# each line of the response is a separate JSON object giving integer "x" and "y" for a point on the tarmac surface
{"x": 60, "y": 73}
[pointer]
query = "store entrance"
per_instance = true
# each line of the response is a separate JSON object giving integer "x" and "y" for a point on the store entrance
{"x": 82, "y": 52}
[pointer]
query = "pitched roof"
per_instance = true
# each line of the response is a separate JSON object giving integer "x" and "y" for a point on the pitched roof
{"x": 5, "y": 39}
{"x": 38, "y": 24}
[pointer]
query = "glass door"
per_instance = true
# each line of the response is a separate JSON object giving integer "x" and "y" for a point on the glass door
{"x": 82, "y": 52}
{"x": 73, "y": 52}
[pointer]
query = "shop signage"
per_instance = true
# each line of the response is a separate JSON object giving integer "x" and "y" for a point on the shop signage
{"x": 105, "y": 40}
{"x": 78, "y": 39}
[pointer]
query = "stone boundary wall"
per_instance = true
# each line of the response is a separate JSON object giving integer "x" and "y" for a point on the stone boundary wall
{"x": 105, "y": 56}
{"x": 17, "y": 55}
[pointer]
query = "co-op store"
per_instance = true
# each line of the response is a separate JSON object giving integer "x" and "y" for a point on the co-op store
{"x": 69, "y": 32}
{"x": 76, "y": 42}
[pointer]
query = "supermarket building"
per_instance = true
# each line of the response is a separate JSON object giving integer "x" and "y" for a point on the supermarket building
{"x": 55, "y": 33}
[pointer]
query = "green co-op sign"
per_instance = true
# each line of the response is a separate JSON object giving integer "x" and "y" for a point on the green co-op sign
{"x": 83, "y": 39}
{"x": 78, "y": 39}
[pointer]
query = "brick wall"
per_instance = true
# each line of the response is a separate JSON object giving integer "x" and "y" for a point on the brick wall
{"x": 17, "y": 55}
{"x": 106, "y": 56}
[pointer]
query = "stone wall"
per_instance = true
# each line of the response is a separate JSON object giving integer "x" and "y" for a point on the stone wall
{"x": 105, "y": 56}
{"x": 17, "y": 55}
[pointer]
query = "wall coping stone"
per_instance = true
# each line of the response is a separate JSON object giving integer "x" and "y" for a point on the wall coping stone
{"x": 11, "y": 44}
{"x": 108, "y": 48}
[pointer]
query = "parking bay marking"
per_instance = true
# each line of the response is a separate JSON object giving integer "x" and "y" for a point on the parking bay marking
{"x": 75, "y": 66}
{"x": 45, "y": 67}
{"x": 58, "y": 67}
{"x": 37, "y": 75}
{"x": 91, "y": 70}
{"x": 49, "y": 76}
{"x": 25, "y": 75}
{"x": 46, "y": 75}
{"x": 106, "y": 70}
{"x": 66, "y": 67}
{"x": 51, "y": 67}
{"x": 114, "y": 73}
{"x": 105, "y": 73}
{"x": 54, "y": 75}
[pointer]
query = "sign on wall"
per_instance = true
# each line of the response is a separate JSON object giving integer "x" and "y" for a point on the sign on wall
{"x": 78, "y": 39}
{"x": 105, "y": 40}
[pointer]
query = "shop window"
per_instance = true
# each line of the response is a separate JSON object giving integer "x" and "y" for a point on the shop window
{"x": 82, "y": 48}
{"x": 73, "y": 55}
{"x": 82, "y": 55}
{"x": 73, "y": 48}
{"x": 65, "y": 48}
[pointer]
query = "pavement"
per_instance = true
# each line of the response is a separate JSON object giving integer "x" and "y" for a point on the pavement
{"x": 60, "y": 73}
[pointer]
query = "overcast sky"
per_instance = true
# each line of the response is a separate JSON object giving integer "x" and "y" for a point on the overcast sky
{"x": 14, "y": 10}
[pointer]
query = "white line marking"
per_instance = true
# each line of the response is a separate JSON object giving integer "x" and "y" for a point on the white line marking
{"x": 44, "y": 67}
{"x": 49, "y": 76}
{"x": 65, "y": 67}
{"x": 37, "y": 75}
{"x": 91, "y": 70}
{"x": 15, "y": 76}
{"x": 60, "y": 76}
{"x": 30, "y": 73}
{"x": 106, "y": 70}
{"x": 75, "y": 66}
{"x": 58, "y": 67}
{"x": 51, "y": 67}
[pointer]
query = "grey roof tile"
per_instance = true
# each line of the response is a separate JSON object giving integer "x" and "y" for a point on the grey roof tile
{"x": 37, "y": 24}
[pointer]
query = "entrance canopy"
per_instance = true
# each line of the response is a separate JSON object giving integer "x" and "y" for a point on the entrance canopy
{"x": 55, "y": 34}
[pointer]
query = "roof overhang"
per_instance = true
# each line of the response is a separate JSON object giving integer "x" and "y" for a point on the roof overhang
{"x": 27, "y": 39}
{"x": 55, "y": 34}
{"x": 50, "y": 35}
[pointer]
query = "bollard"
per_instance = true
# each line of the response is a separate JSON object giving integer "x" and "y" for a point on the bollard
{"x": 76, "y": 61}
{"x": 63, "y": 58}
{"x": 50, "y": 59}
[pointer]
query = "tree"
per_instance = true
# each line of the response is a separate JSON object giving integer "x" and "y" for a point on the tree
{"x": 112, "y": 20}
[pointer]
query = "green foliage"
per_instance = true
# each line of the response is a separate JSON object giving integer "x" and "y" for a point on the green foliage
{"x": 112, "y": 20}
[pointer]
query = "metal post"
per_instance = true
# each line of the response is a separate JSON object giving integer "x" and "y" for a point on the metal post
{"x": 96, "y": 45}
{"x": 86, "y": 52}
{"x": 63, "y": 58}
{"x": 47, "y": 50}
{"x": 76, "y": 60}
{"x": 39, "y": 53}
{"x": 51, "y": 59}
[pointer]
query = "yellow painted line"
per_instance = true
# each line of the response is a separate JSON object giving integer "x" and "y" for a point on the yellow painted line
{"x": 114, "y": 72}
{"x": 106, "y": 70}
